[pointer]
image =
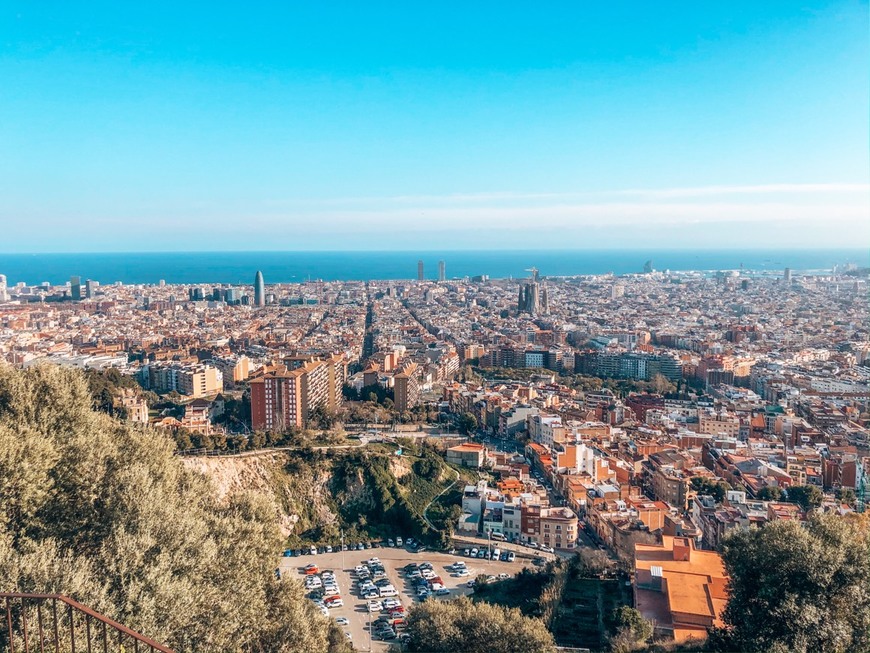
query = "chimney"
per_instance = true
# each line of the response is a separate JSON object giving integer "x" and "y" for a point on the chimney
{"x": 682, "y": 549}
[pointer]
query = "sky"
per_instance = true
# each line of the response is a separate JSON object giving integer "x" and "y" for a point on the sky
{"x": 166, "y": 126}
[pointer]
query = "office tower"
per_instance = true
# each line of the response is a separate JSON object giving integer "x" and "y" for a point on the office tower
{"x": 216, "y": 294}
{"x": 162, "y": 283}
{"x": 786, "y": 275}
{"x": 442, "y": 271}
{"x": 75, "y": 288}
{"x": 232, "y": 296}
{"x": 648, "y": 267}
{"x": 259, "y": 290}
{"x": 91, "y": 288}
{"x": 419, "y": 270}
{"x": 3, "y": 294}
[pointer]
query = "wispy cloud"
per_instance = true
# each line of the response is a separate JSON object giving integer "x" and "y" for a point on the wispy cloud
{"x": 499, "y": 197}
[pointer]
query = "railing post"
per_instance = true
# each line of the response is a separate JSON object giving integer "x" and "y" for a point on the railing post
{"x": 88, "y": 630}
{"x": 72, "y": 631}
{"x": 24, "y": 626}
{"x": 105, "y": 639}
{"x": 56, "y": 636}
{"x": 39, "y": 624}
{"x": 9, "y": 624}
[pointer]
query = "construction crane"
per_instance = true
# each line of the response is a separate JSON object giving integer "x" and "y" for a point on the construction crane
{"x": 534, "y": 272}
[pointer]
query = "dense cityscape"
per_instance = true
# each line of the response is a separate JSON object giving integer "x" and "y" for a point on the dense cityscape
{"x": 646, "y": 416}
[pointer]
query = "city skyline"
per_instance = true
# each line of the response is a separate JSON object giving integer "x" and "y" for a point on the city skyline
{"x": 630, "y": 126}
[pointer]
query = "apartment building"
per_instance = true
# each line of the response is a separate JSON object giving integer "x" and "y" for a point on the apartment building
{"x": 187, "y": 379}
{"x": 552, "y": 527}
{"x": 406, "y": 388}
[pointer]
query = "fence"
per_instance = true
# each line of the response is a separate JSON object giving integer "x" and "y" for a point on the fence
{"x": 55, "y": 623}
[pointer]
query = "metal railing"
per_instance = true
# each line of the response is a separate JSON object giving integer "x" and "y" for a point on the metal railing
{"x": 57, "y": 624}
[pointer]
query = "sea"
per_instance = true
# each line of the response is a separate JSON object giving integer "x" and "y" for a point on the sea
{"x": 295, "y": 267}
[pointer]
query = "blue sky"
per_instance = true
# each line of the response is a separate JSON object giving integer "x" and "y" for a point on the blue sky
{"x": 184, "y": 126}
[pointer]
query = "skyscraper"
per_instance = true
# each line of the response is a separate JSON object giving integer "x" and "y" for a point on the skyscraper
{"x": 259, "y": 290}
{"x": 420, "y": 270}
{"x": 786, "y": 275}
{"x": 75, "y": 288}
{"x": 442, "y": 271}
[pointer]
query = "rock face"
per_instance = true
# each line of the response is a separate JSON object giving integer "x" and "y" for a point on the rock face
{"x": 301, "y": 493}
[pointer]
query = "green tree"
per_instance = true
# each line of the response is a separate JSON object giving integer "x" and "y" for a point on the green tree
{"x": 632, "y": 630}
{"x": 807, "y": 497}
{"x": 798, "y": 587}
{"x": 467, "y": 423}
{"x": 93, "y": 508}
{"x": 770, "y": 493}
{"x": 715, "y": 489}
{"x": 461, "y": 626}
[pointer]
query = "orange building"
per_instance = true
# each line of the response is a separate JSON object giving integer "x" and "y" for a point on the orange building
{"x": 682, "y": 590}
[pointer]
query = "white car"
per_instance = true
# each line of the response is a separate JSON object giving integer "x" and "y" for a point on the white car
{"x": 504, "y": 576}
{"x": 442, "y": 591}
{"x": 375, "y": 606}
{"x": 462, "y": 573}
{"x": 389, "y": 604}
{"x": 437, "y": 586}
{"x": 342, "y": 621}
{"x": 388, "y": 591}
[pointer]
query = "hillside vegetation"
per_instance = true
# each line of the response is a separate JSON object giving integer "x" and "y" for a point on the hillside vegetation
{"x": 104, "y": 512}
{"x": 366, "y": 493}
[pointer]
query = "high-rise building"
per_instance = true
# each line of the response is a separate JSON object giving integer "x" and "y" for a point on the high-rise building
{"x": 420, "y": 270}
{"x": 442, "y": 271}
{"x": 284, "y": 396}
{"x": 4, "y": 296}
{"x": 259, "y": 290}
{"x": 91, "y": 288}
{"x": 406, "y": 388}
{"x": 75, "y": 288}
{"x": 786, "y": 275}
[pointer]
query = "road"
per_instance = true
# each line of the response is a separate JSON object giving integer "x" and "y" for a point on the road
{"x": 393, "y": 559}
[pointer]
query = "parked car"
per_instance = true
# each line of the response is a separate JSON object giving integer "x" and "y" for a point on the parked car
{"x": 391, "y": 542}
{"x": 399, "y": 541}
{"x": 375, "y": 605}
{"x": 511, "y": 556}
{"x": 288, "y": 553}
{"x": 442, "y": 591}
{"x": 341, "y": 621}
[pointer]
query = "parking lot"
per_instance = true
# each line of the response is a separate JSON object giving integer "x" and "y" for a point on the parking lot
{"x": 393, "y": 560}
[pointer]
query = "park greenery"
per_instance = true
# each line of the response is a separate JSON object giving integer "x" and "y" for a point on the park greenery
{"x": 98, "y": 510}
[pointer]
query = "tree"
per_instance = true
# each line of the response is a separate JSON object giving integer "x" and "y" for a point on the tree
{"x": 715, "y": 489}
{"x": 807, "y": 497}
{"x": 770, "y": 493}
{"x": 467, "y": 423}
{"x": 797, "y": 587}
{"x": 461, "y": 626}
{"x": 592, "y": 562}
{"x": 847, "y": 496}
{"x": 632, "y": 630}
{"x": 93, "y": 508}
